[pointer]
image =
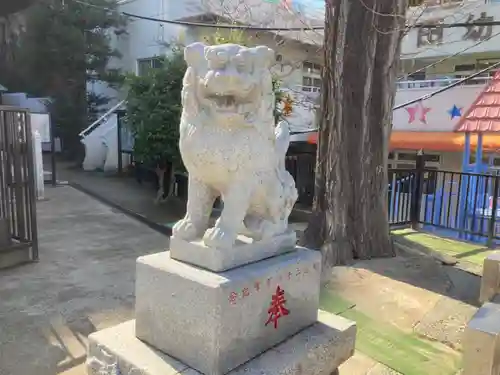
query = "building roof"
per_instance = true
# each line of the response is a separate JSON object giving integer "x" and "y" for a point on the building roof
{"x": 13, "y": 6}
{"x": 259, "y": 13}
{"x": 432, "y": 141}
{"x": 484, "y": 114}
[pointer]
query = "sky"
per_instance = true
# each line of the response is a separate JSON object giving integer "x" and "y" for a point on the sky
{"x": 310, "y": 8}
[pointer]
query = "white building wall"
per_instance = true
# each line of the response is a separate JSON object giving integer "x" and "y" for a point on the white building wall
{"x": 453, "y": 39}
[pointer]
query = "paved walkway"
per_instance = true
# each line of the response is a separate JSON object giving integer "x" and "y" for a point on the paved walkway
{"x": 124, "y": 192}
{"x": 83, "y": 282}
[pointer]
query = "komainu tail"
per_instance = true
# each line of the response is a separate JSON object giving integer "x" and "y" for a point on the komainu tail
{"x": 282, "y": 133}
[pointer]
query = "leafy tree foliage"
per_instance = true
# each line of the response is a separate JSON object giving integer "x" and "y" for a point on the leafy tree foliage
{"x": 154, "y": 111}
{"x": 64, "y": 46}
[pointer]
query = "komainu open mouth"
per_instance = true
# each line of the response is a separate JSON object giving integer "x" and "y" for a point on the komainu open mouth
{"x": 224, "y": 102}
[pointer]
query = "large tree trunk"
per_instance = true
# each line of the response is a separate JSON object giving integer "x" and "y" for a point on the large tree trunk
{"x": 361, "y": 56}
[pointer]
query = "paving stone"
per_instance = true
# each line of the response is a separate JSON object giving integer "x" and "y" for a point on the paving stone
{"x": 381, "y": 369}
{"x": 358, "y": 364}
{"x": 446, "y": 322}
{"x": 376, "y": 289}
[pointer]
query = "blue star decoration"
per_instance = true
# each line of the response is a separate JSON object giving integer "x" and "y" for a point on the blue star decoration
{"x": 455, "y": 112}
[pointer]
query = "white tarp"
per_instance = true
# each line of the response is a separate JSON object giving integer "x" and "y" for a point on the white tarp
{"x": 95, "y": 148}
{"x": 38, "y": 163}
{"x": 41, "y": 123}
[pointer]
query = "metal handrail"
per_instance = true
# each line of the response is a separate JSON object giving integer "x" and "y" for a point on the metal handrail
{"x": 438, "y": 82}
{"x": 92, "y": 126}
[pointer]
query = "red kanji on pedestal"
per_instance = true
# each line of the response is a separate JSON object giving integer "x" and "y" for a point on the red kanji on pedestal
{"x": 233, "y": 297}
{"x": 257, "y": 286}
{"x": 277, "y": 309}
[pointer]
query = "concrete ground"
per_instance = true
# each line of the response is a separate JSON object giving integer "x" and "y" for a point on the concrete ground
{"x": 83, "y": 282}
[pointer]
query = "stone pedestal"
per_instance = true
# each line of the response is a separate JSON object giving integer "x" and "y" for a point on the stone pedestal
{"x": 318, "y": 349}
{"x": 214, "y": 322}
{"x": 260, "y": 318}
{"x": 244, "y": 251}
{"x": 481, "y": 344}
{"x": 490, "y": 282}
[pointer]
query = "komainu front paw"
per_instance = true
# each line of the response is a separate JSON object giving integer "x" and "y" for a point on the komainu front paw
{"x": 186, "y": 230}
{"x": 219, "y": 238}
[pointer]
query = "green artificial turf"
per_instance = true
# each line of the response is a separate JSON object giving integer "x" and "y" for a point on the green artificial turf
{"x": 463, "y": 251}
{"x": 406, "y": 353}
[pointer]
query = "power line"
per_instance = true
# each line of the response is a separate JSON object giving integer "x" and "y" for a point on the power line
{"x": 223, "y": 26}
{"x": 258, "y": 28}
{"x": 446, "y": 88}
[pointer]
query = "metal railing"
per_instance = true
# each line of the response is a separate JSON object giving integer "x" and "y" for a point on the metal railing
{"x": 458, "y": 204}
{"x": 89, "y": 129}
{"x": 439, "y": 82}
{"x": 17, "y": 181}
{"x": 406, "y": 84}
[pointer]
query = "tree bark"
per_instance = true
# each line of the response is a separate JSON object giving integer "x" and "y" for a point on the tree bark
{"x": 361, "y": 56}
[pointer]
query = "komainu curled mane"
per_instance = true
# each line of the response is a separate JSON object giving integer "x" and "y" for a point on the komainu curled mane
{"x": 231, "y": 147}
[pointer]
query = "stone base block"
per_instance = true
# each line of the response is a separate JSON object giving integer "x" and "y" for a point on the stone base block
{"x": 245, "y": 251}
{"x": 319, "y": 349}
{"x": 15, "y": 256}
{"x": 481, "y": 343}
{"x": 214, "y": 322}
{"x": 490, "y": 282}
{"x": 5, "y": 238}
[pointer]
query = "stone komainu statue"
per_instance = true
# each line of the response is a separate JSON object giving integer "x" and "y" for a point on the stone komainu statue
{"x": 231, "y": 147}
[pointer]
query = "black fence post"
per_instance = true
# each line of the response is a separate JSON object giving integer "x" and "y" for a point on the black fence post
{"x": 494, "y": 204}
{"x": 119, "y": 115}
{"x": 417, "y": 190}
{"x": 53, "y": 162}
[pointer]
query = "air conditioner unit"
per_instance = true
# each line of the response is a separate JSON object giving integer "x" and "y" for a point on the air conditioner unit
{"x": 442, "y": 3}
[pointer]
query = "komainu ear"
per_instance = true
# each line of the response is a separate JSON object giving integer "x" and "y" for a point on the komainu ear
{"x": 194, "y": 54}
{"x": 264, "y": 56}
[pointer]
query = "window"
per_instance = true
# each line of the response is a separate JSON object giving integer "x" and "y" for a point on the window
{"x": 412, "y": 156}
{"x": 415, "y": 3}
{"x": 405, "y": 166}
{"x": 473, "y": 158}
{"x": 310, "y": 84}
{"x": 143, "y": 65}
{"x": 418, "y": 76}
{"x": 311, "y": 77}
{"x": 279, "y": 63}
{"x": 311, "y": 68}
{"x": 465, "y": 68}
{"x": 407, "y": 159}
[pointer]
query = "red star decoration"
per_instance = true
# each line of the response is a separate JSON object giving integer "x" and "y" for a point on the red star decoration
{"x": 420, "y": 110}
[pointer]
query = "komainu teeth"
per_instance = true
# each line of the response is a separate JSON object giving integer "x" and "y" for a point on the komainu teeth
{"x": 223, "y": 100}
